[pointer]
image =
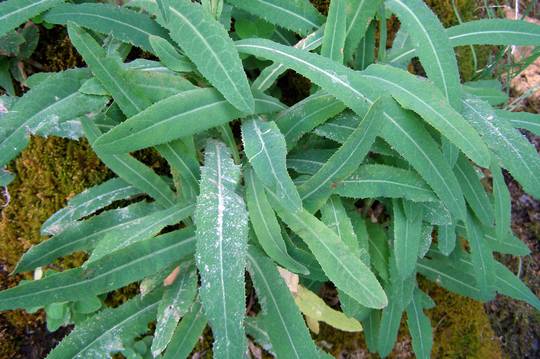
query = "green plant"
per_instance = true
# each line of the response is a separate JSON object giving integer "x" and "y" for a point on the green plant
{"x": 16, "y": 47}
{"x": 298, "y": 190}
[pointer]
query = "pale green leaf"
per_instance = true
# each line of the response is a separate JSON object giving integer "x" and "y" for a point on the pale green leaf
{"x": 108, "y": 71}
{"x": 335, "y": 31}
{"x": 305, "y": 115}
{"x": 495, "y": 32}
{"x": 315, "y": 308}
{"x": 183, "y": 162}
{"x": 510, "y": 147}
{"x": 524, "y": 120}
{"x": 365, "y": 52}
{"x": 259, "y": 335}
{"x": 140, "y": 229}
{"x": 419, "y": 326}
{"x": 280, "y": 317}
{"x": 482, "y": 258}
{"x": 333, "y": 214}
{"x": 270, "y": 74}
{"x": 501, "y": 203}
{"x": 407, "y": 236}
{"x": 359, "y": 15}
{"x": 371, "y": 329}
{"x": 400, "y": 292}
{"x": 124, "y": 24}
{"x": 445, "y": 274}
{"x": 15, "y": 12}
{"x": 169, "y": 56}
{"x": 48, "y": 104}
{"x": 384, "y": 181}
{"x": 266, "y": 226}
{"x": 474, "y": 191}
{"x": 509, "y": 244}
{"x": 446, "y": 238}
{"x": 308, "y": 161}
{"x": 432, "y": 46}
{"x": 378, "y": 249}
{"x": 488, "y": 90}
{"x": 156, "y": 85}
{"x": 177, "y": 300}
{"x": 505, "y": 281}
{"x": 296, "y": 15}
{"x": 422, "y": 97}
{"x": 343, "y": 268}
{"x": 265, "y": 148}
{"x": 109, "y": 331}
{"x": 83, "y": 235}
{"x": 88, "y": 202}
{"x": 181, "y": 115}
{"x": 206, "y": 43}
{"x": 131, "y": 170}
{"x": 109, "y": 273}
{"x": 344, "y": 161}
{"x": 187, "y": 333}
{"x": 222, "y": 229}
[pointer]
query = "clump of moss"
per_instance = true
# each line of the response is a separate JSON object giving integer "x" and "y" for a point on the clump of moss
{"x": 462, "y": 328}
{"x": 48, "y": 172}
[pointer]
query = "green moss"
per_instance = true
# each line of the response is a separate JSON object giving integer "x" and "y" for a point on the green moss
{"x": 462, "y": 327}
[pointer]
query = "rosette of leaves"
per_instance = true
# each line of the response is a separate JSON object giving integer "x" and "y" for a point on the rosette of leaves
{"x": 256, "y": 186}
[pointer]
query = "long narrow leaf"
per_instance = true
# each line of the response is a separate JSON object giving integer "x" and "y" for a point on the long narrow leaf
{"x": 108, "y": 71}
{"x": 177, "y": 116}
{"x": 84, "y": 235}
{"x": 187, "y": 333}
{"x": 177, "y": 300}
{"x": 346, "y": 270}
{"x": 359, "y": 15}
{"x": 265, "y": 148}
{"x": 47, "y": 104}
{"x": 111, "y": 272}
{"x": 266, "y": 226}
{"x": 296, "y": 15}
{"x": 384, "y": 181}
{"x": 344, "y": 161}
{"x": 88, "y": 202}
{"x": 209, "y": 47}
{"x": 280, "y": 316}
{"x": 432, "y": 46}
{"x": 333, "y": 44}
{"x": 109, "y": 331}
{"x": 15, "y": 12}
{"x": 422, "y": 97}
{"x": 222, "y": 226}
{"x": 131, "y": 170}
{"x": 124, "y": 24}
{"x": 511, "y": 148}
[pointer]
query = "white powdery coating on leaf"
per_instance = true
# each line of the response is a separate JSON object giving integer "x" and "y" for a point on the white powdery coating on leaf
{"x": 221, "y": 220}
